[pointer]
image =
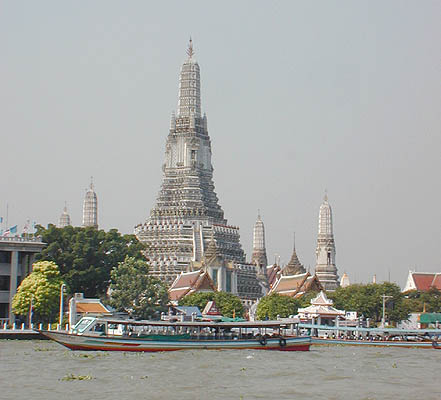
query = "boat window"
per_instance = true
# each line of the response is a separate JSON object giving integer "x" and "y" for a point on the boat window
{"x": 83, "y": 324}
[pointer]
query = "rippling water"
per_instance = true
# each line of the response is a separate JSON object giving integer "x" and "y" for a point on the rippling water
{"x": 41, "y": 370}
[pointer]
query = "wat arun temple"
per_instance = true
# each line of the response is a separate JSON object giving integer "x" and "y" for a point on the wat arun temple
{"x": 187, "y": 214}
{"x": 187, "y": 230}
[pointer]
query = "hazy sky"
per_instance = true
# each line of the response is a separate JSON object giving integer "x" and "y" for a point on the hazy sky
{"x": 300, "y": 97}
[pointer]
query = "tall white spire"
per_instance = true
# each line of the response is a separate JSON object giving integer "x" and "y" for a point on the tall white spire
{"x": 325, "y": 268}
{"x": 325, "y": 218}
{"x": 259, "y": 249}
{"x": 189, "y": 102}
{"x": 90, "y": 207}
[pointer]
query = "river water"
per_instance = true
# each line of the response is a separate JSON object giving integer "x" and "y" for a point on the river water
{"x": 46, "y": 370}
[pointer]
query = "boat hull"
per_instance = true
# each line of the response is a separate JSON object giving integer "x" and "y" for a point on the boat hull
{"x": 345, "y": 342}
{"x": 107, "y": 343}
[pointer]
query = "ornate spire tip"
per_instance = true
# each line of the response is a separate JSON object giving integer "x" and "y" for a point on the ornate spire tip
{"x": 190, "y": 50}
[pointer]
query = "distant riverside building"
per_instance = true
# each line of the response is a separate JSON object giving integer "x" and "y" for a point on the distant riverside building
{"x": 16, "y": 258}
{"x": 325, "y": 268}
{"x": 187, "y": 213}
{"x": 90, "y": 208}
{"x": 64, "y": 219}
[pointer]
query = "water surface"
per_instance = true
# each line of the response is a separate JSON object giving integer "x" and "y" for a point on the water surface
{"x": 44, "y": 370}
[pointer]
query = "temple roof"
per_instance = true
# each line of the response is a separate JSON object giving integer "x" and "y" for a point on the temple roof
{"x": 294, "y": 266}
{"x": 423, "y": 281}
{"x": 190, "y": 282}
{"x": 295, "y": 285}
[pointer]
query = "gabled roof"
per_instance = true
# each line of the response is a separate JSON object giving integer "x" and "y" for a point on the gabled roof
{"x": 423, "y": 281}
{"x": 190, "y": 282}
{"x": 295, "y": 285}
{"x": 189, "y": 310}
{"x": 321, "y": 300}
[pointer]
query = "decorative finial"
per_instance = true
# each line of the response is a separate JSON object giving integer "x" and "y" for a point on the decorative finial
{"x": 294, "y": 247}
{"x": 326, "y": 195}
{"x": 91, "y": 182}
{"x": 190, "y": 50}
{"x": 258, "y": 213}
{"x": 65, "y": 206}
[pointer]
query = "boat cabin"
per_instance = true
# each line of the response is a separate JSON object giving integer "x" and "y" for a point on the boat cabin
{"x": 198, "y": 330}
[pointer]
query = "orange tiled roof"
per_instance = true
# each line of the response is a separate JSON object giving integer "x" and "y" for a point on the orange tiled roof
{"x": 423, "y": 282}
{"x": 97, "y": 308}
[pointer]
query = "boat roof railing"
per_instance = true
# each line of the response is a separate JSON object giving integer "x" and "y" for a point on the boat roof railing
{"x": 372, "y": 330}
{"x": 211, "y": 324}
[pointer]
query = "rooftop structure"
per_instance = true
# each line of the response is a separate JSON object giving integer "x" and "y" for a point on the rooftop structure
{"x": 320, "y": 309}
{"x": 190, "y": 282}
{"x": 296, "y": 285}
{"x": 325, "y": 268}
{"x": 294, "y": 267}
{"x": 90, "y": 208}
{"x": 423, "y": 281}
{"x": 187, "y": 213}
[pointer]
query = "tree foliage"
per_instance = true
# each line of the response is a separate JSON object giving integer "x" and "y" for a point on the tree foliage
{"x": 86, "y": 256}
{"x": 275, "y": 304}
{"x": 367, "y": 301}
{"x": 135, "y": 291}
{"x": 42, "y": 287}
{"x": 429, "y": 301}
{"x": 228, "y": 304}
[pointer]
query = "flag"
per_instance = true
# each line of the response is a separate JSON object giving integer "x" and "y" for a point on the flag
{"x": 12, "y": 229}
{"x": 1, "y": 220}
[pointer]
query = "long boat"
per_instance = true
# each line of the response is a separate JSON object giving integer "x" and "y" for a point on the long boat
{"x": 379, "y": 337}
{"x": 436, "y": 345}
{"x": 106, "y": 334}
{"x": 424, "y": 344}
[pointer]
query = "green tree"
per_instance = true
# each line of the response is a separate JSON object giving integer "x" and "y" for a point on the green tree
{"x": 42, "y": 287}
{"x": 367, "y": 301}
{"x": 275, "y": 304}
{"x": 417, "y": 301}
{"x": 227, "y": 303}
{"x": 86, "y": 256}
{"x": 135, "y": 291}
{"x": 197, "y": 299}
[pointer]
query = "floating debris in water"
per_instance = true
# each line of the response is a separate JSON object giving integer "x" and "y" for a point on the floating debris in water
{"x": 72, "y": 377}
